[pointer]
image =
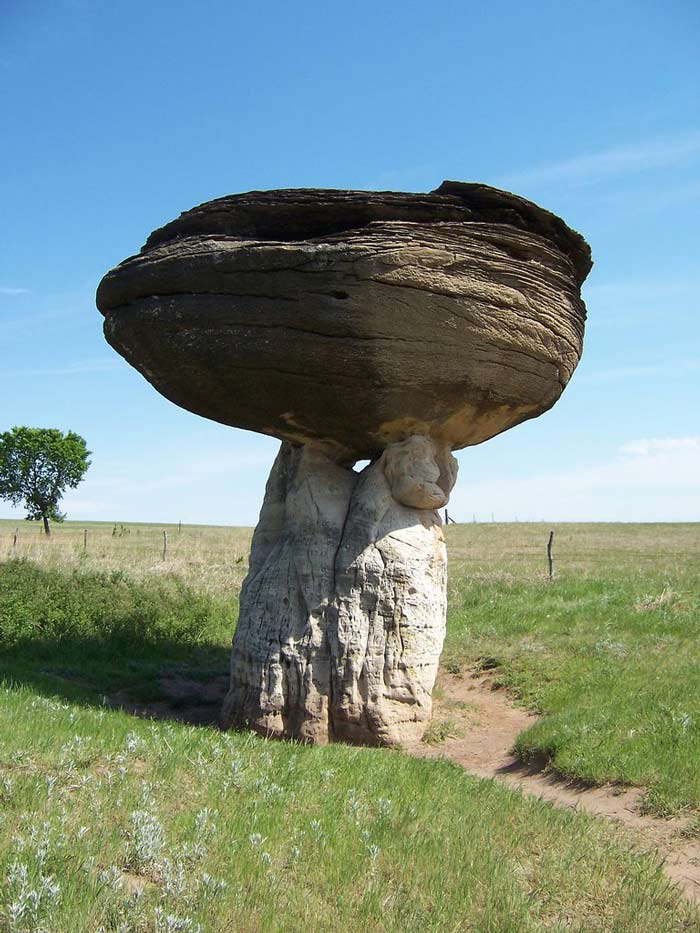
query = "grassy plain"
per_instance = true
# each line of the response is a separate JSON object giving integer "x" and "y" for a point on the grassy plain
{"x": 211, "y": 559}
{"x": 109, "y": 822}
{"x": 608, "y": 654}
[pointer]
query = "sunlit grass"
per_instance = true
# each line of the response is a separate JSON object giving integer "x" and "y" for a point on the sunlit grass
{"x": 113, "y": 823}
{"x": 209, "y": 558}
{"x": 608, "y": 653}
{"x": 108, "y": 822}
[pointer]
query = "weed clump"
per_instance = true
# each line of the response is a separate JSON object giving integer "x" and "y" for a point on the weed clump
{"x": 438, "y": 732}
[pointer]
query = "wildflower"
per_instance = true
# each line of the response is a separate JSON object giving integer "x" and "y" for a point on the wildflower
{"x": 111, "y": 877}
{"x": 146, "y": 840}
{"x": 170, "y": 923}
{"x": 28, "y": 903}
{"x": 132, "y": 742}
{"x": 204, "y": 824}
{"x": 41, "y": 842}
{"x": 269, "y": 790}
{"x": 212, "y": 885}
{"x": 384, "y": 807}
{"x": 174, "y": 876}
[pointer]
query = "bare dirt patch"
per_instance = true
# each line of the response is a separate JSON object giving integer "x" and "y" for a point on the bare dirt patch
{"x": 484, "y": 723}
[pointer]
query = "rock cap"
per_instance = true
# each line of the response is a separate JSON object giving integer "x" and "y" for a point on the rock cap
{"x": 355, "y": 319}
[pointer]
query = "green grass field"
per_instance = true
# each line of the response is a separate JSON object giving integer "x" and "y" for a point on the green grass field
{"x": 111, "y": 822}
{"x": 609, "y": 653}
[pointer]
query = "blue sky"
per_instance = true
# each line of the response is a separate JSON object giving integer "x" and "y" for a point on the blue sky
{"x": 117, "y": 117}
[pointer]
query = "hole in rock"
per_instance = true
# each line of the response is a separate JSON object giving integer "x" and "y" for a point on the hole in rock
{"x": 360, "y": 465}
{"x": 340, "y": 295}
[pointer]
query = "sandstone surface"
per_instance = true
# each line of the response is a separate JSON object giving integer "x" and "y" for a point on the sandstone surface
{"x": 356, "y": 319}
{"x": 350, "y": 324}
{"x": 342, "y": 614}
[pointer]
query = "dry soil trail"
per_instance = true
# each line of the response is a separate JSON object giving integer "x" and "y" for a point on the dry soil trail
{"x": 487, "y": 723}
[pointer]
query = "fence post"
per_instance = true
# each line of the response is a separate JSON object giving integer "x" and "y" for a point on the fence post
{"x": 179, "y": 527}
{"x": 550, "y": 557}
{"x": 85, "y": 541}
{"x": 165, "y": 543}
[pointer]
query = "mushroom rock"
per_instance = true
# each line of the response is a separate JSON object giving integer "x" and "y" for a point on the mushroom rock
{"x": 388, "y": 326}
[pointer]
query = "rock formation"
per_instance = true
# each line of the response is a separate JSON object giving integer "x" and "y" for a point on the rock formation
{"x": 386, "y": 622}
{"x": 342, "y": 614}
{"x": 352, "y": 325}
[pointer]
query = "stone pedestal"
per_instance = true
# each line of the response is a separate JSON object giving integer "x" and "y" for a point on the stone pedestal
{"x": 342, "y": 614}
{"x": 387, "y": 326}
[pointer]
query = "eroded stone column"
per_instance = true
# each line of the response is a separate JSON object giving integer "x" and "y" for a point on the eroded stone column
{"x": 342, "y": 614}
{"x": 280, "y": 666}
{"x": 387, "y": 620}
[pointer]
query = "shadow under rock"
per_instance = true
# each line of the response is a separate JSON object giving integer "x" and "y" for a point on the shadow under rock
{"x": 185, "y": 699}
{"x": 149, "y": 678}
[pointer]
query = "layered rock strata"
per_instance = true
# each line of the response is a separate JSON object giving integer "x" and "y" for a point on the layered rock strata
{"x": 387, "y": 326}
{"x": 355, "y": 319}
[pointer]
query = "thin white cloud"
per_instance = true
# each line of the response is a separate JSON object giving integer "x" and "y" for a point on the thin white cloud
{"x": 648, "y": 154}
{"x": 619, "y": 304}
{"x": 647, "y": 479}
{"x": 658, "y": 197}
{"x": 669, "y": 368}
{"x": 14, "y": 291}
{"x": 211, "y": 487}
{"x": 117, "y": 479}
{"x": 205, "y": 468}
{"x": 88, "y": 509}
{"x": 650, "y": 291}
{"x": 653, "y": 446}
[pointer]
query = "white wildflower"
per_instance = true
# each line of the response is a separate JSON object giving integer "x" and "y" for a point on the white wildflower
{"x": 384, "y": 807}
{"x": 146, "y": 840}
{"x": 205, "y": 823}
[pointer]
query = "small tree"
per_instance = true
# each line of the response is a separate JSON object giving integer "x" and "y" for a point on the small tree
{"x": 37, "y": 465}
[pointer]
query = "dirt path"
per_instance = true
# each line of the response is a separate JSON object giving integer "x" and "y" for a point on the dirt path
{"x": 487, "y": 723}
